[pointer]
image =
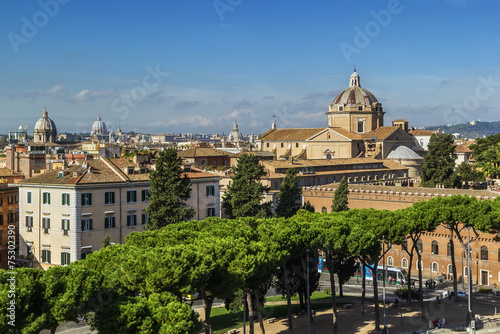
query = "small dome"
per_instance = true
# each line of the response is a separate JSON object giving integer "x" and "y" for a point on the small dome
{"x": 45, "y": 123}
{"x": 355, "y": 94}
{"x": 98, "y": 128}
{"x": 235, "y": 135}
{"x": 403, "y": 152}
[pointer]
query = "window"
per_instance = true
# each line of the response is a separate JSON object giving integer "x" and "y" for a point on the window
{"x": 466, "y": 271}
{"x": 361, "y": 126}
{"x": 29, "y": 250}
{"x": 435, "y": 247}
{"x": 420, "y": 246}
{"x": 29, "y": 223}
{"x": 484, "y": 253}
{"x": 65, "y": 226}
{"x": 86, "y": 199}
{"x": 46, "y": 224}
{"x": 281, "y": 144}
{"x": 448, "y": 249}
{"x": 434, "y": 267}
{"x": 296, "y": 144}
{"x": 360, "y": 108}
{"x": 131, "y": 196}
{"x": 85, "y": 254}
{"x": 210, "y": 212}
{"x": 341, "y": 108}
{"x": 1, "y": 201}
{"x": 10, "y": 217}
{"x": 390, "y": 261}
{"x": 144, "y": 218}
{"x": 404, "y": 263}
{"x": 11, "y": 199}
{"x": 46, "y": 198}
{"x": 323, "y": 209}
{"x": 267, "y": 144}
{"x": 109, "y": 197}
{"x": 65, "y": 258}
{"x": 419, "y": 265}
{"x": 109, "y": 222}
{"x": 86, "y": 224}
{"x": 1, "y": 237}
{"x": 211, "y": 190}
{"x": 65, "y": 199}
{"x": 131, "y": 220}
{"x": 46, "y": 256}
{"x": 450, "y": 269}
{"x": 145, "y": 195}
{"x": 1, "y": 223}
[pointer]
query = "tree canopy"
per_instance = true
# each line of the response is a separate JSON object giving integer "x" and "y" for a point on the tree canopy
{"x": 339, "y": 202}
{"x": 290, "y": 195}
{"x": 169, "y": 191}
{"x": 245, "y": 194}
{"x": 439, "y": 163}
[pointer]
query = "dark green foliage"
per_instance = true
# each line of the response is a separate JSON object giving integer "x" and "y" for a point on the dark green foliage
{"x": 345, "y": 267}
{"x": 468, "y": 173}
{"x": 289, "y": 197}
{"x": 439, "y": 163}
{"x": 309, "y": 207}
{"x": 106, "y": 241}
{"x": 243, "y": 197}
{"x": 170, "y": 189}
{"x": 487, "y": 155}
{"x": 339, "y": 202}
{"x": 402, "y": 293}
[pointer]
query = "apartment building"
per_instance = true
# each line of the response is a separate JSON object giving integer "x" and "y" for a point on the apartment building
{"x": 67, "y": 213}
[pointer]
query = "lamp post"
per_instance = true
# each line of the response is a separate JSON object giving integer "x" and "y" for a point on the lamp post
{"x": 309, "y": 297}
{"x": 469, "y": 281}
{"x": 385, "y": 330}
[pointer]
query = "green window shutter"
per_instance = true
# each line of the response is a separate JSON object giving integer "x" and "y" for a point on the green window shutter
{"x": 90, "y": 199}
{"x": 48, "y": 253}
{"x": 83, "y": 199}
{"x": 63, "y": 258}
{"x": 90, "y": 224}
{"x": 128, "y": 196}
{"x": 208, "y": 191}
{"x": 28, "y": 195}
{"x": 43, "y": 255}
{"x": 106, "y": 198}
{"x": 48, "y": 196}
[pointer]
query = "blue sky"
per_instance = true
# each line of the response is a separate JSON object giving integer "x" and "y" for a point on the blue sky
{"x": 172, "y": 66}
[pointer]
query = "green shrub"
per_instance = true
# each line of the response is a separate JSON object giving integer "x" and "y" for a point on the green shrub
{"x": 327, "y": 291}
{"x": 402, "y": 293}
{"x": 484, "y": 290}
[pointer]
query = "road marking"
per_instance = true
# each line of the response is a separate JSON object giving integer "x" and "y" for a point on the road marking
{"x": 73, "y": 329}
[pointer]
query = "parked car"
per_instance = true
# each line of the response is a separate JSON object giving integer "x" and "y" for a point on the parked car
{"x": 460, "y": 294}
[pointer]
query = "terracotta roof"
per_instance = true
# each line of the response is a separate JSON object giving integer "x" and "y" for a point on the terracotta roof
{"x": 400, "y": 120}
{"x": 201, "y": 152}
{"x": 195, "y": 175}
{"x": 291, "y": 134}
{"x": 9, "y": 172}
{"x": 347, "y": 134}
{"x": 380, "y": 133}
{"x": 421, "y": 132}
{"x": 462, "y": 149}
{"x": 324, "y": 162}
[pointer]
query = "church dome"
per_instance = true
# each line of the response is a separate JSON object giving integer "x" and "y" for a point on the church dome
{"x": 355, "y": 95}
{"x": 235, "y": 135}
{"x": 98, "y": 128}
{"x": 45, "y": 123}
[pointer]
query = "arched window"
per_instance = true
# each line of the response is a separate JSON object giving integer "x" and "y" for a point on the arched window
{"x": 435, "y": 247}
{"x": 203, "y": 162}
{"x": 419, "y": 264}
{"x": 323, "y": 209}
{"x": 420, "y": 245}
{"x": 435, "y": 267}
{"x": 450, "y": 269}
{"x": 466, "y": 271}
{"x": 390, "y": 261}
{"x": 484, "y": 253}
{"x": 404, "y": 263}
{"x": 448, "y": 249}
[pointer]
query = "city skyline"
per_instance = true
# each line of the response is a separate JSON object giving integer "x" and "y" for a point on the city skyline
{"x": 164, "y": 67}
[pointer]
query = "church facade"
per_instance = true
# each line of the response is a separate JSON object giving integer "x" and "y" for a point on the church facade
{"x": 355, "y": 130}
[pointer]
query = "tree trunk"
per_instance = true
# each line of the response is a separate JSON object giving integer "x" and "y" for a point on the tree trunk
{"x": 341, "y": 294}
{"x": 301, "y": 298}
{"x": 363, "y": 290}
{"x": 454, "y": 267}
{"x": 375, "y": 298}
{"x": 207, "y": 307}
{"x": 410, "y": 262}
{"x": 420, "y": 287}
{"x": 259, "y": 311}
{"x": 251, "y": 313}
{"x": 329, "y": 263}
{"x": 288, "y": 299}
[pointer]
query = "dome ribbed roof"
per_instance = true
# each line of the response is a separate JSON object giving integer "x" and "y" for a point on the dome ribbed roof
{"x": 355, "y": 94}
{"x": 403, "y": 152}
{"x": 99, "y": 128}
{"x": 45, "y": 124}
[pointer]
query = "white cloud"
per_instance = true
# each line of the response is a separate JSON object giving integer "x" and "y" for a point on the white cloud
{"x": 55, "y": 90}
{"x": 191, "y": 120}
{"x": 241, "y": 112}
{"x": 90, "y": 95}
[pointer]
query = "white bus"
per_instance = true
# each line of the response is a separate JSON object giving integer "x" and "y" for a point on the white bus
{"x": 394, "y": 275}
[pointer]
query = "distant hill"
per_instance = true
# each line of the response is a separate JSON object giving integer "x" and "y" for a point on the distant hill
{"x": 477, "y": 129}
